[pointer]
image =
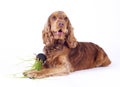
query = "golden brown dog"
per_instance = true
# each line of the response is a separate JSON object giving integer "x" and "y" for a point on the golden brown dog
{"x": 64, "y": 53}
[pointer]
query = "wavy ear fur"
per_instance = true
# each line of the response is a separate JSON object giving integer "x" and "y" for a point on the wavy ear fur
{"x": 71, "y": 40}
{"x": 47, "y": 34}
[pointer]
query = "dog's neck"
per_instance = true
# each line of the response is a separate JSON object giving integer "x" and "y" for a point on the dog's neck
{"x": 59, "y": 42}
{"x": 57, "y": 45}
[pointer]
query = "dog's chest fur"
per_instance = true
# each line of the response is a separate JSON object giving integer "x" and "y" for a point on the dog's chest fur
{"x": 56, "y": 56}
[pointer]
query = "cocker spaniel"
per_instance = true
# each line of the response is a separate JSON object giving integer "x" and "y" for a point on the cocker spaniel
{"x": 64, "y": 53}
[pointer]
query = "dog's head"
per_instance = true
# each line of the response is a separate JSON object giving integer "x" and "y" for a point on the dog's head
{"x": 58, "y": 27}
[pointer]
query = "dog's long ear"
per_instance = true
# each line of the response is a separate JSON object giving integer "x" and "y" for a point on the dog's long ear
{"x": 71, "y": 40}
{"x": 47, "y": 34}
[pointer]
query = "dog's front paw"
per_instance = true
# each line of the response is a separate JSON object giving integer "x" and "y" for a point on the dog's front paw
{"x": 34, "y": 74}
{"x": 31, "y": 74}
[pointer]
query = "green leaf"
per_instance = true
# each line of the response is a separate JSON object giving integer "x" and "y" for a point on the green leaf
{"x": 37, "y": 65}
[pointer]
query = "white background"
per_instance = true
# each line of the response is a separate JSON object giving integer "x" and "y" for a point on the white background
{"x": 21, "y": 24}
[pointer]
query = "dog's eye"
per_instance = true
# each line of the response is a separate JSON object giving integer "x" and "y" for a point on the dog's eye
{"x": 65, "y": 18}
{"x": 54, "y": 18}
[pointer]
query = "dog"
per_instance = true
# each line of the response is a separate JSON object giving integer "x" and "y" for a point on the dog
{"x": 63, "y": 52}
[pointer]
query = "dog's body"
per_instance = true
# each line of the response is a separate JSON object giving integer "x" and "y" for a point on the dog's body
{"x": 64, "y": 53}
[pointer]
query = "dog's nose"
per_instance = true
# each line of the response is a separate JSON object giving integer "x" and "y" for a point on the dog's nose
{"x": 61, "y": 24}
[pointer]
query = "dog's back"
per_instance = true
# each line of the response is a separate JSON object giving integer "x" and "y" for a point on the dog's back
{"x": 88, "y": 55}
